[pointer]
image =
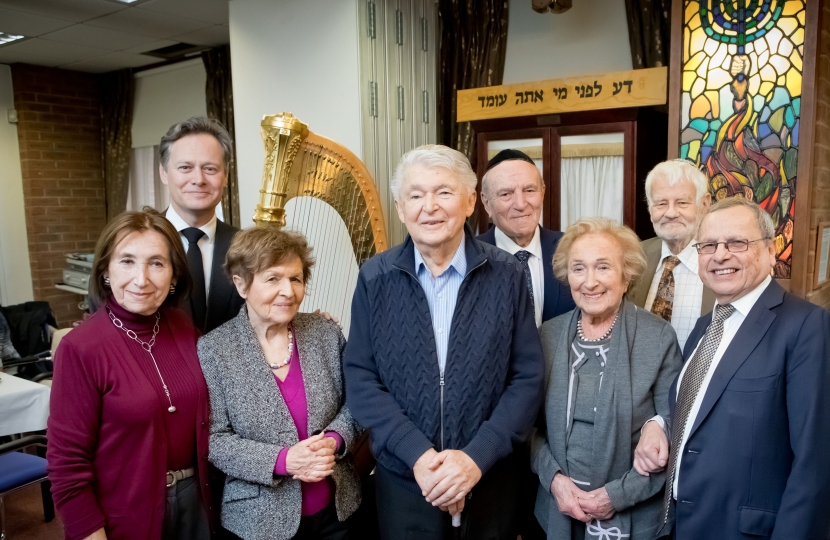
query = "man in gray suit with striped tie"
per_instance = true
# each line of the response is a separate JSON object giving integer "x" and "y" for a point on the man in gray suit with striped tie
{"x": 677, "y": 197}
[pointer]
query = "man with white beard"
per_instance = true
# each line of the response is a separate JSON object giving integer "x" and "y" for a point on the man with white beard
{"x": 670, "y": 288}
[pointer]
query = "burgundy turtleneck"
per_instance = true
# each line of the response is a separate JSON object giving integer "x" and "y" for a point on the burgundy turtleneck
{"x": 180, "y": 426}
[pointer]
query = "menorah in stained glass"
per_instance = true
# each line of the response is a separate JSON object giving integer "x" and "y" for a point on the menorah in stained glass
{"x": 741, "y": 101}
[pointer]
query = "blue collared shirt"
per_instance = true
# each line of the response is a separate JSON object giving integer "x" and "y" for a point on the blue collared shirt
{"x": 442, "y": 293}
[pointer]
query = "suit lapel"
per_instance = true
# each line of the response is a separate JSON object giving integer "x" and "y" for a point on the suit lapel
{"x": 259, "y": 380}
{"x": 653, "y": 248}
{"x": 488, "y": 236}
{"x": 220, "y": 286}
{"x": 551, "y": 300}
{"x": 751, "y": 332}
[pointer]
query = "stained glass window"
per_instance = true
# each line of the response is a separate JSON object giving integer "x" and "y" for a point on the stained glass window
{"x": 741, "y": 103}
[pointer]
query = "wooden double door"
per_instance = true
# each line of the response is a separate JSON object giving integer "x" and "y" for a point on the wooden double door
{"x": 592, "y": 163}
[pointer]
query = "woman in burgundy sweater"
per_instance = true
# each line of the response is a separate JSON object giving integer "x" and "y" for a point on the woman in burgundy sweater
{"x": 128, "y": 426}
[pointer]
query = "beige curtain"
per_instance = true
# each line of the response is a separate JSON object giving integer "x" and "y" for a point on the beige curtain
{"x": 117, "y": 92}
{"x": 219, "y": 96}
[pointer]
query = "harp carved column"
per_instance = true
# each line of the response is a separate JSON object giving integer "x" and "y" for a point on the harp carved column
{"x": 299, "y": 163}
{"x": 282, "y": 135}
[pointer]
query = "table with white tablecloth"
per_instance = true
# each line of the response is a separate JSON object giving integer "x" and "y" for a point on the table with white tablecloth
{"x": 24, "y": 405}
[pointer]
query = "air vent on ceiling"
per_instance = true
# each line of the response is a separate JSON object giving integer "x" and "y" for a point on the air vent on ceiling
{"x": 172, "y": 52}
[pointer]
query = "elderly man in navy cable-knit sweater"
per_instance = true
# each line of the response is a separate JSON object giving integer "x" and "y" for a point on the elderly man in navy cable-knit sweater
{"x": 443, "y": 364}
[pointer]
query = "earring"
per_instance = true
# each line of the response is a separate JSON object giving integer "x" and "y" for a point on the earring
{"x": 106, "y": 282}
{"x": 172, "y": 288}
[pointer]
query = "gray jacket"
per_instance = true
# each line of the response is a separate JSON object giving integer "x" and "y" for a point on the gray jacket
{"x": 642, "y": 365}
{"x": 250, "y": 423}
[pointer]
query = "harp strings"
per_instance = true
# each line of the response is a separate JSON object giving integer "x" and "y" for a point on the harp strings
{"x": 324, "y": 175}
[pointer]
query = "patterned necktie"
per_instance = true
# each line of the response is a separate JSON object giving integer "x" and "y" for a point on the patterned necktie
{"x": 664, "y": 299}
{"x": 523, "y": 256}
{"x": 198, "y": 296}
{"x": 689, "y": 388}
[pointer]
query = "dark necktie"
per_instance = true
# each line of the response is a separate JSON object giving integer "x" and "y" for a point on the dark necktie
{"x": 689, "y": 389}
{"x": 664, "y": 299}
{"x": 198, "y": 296}
{"x": 523, "y": 256}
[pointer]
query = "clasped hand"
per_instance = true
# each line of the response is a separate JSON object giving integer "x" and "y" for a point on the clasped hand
{"x": 652, "y": 452}
{"x": 578, "y": 504}
{"x": 446, "y": 478}
{"x": 311, "y": 460}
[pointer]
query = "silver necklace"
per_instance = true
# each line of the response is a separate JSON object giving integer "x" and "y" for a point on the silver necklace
{"x": 603, "y": 336}
{"x": 287, "y": 360}
{"x": 147, "y": 346}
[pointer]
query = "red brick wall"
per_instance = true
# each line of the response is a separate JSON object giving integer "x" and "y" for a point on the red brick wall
{"x": 820, "y": 200}
{"x": 59, "y": 128}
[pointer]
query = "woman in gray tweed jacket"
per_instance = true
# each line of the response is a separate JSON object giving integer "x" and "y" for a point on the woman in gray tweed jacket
{"x": 280, "y": 428}
{"x": 609, "y": 366}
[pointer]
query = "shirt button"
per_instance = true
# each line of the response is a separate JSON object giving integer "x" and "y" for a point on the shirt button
{"x": 440, "y": 330}
{"x": 440, "y": 295}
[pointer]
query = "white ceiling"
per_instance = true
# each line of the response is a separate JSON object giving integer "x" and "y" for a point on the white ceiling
{"x": 105, "y": 35}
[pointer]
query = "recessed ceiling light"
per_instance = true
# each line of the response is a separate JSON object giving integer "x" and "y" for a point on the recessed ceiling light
{"x": 125, "y": 1}
{"x": 8, "y": 38}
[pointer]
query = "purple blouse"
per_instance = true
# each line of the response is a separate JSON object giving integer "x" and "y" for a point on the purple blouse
{"x": 316, "y": 495}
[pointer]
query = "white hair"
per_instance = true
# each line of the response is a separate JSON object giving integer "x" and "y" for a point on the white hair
{"x": 674, "y": 171}
{"x": 435, "y": 156}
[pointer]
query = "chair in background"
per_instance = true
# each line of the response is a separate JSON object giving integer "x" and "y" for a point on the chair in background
{"x": 46, "y": 377}
{"x": 30, "y": 324}
{"x": 19, "y": 470}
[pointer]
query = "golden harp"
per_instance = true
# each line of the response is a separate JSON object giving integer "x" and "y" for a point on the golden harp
{"x": 318, "y": 187}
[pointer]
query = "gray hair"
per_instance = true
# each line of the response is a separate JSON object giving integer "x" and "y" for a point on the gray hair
{"x": 674, "y": 171}
{"x": 485, "y": 188}
{"x": 634, "y": 258}
{"x": 762, "y": 219}
{"x": 196, "y": 125}
{"x": 435, "y": 156}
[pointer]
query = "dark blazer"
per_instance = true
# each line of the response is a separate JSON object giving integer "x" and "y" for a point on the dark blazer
{"x": 558, "y": 299}
{"x": 223, "y": 300}
{"x": 755, "y": 464}
{"x": 638, "y": 294}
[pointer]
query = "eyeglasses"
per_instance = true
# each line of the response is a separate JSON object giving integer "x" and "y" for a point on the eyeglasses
{"x": 733, "y": 246}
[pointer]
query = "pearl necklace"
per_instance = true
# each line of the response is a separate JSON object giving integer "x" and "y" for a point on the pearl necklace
{"x": 147, "y": 346}
{"x": 287, "y": 360}
{"x": 602, "y": 337}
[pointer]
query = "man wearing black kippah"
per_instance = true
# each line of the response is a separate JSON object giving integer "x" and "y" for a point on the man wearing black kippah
{"x": 512, "y": 192}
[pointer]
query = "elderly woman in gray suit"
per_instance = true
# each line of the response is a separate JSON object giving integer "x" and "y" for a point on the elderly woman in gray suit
{"x": 280, "y": 428}
{"x": 609, "y": 366}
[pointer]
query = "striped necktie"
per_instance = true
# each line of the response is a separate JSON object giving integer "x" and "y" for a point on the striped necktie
{"x": 690, "y": 386}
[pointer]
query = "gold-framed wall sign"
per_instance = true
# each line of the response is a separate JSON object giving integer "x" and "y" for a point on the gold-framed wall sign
{"x": 822, "y": 271}
{"x": 635, "y": 88}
